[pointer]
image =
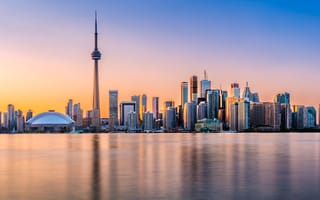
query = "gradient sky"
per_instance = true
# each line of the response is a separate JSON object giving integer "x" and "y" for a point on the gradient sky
{"x": 150, "y": 46}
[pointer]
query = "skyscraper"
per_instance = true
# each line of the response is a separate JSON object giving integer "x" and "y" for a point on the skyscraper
{"x": 11, "y": 118}
{"x": 243, "y": 115}
{"x": 155, "y": 107}
{"x": 205, "y": 84}
{"x": 184, "y": 93}
{"x": 136, "y": 99}
{"x": 29, "y": 115}
{"x": 148, "y": 121}
{"x": 235, "y": 90}
{"x": 96, "y": 56}
{"x": 190, "y": 115}
{"x": 126, "y": 107}
{"x": 69, "y": 108}
{"x": 113, "y": 108}
{"x": 282, "y": 98}
{"x": 194, "y": 88}
{"x": 77, "y": 115}
{"x": 213, "y": 100}
{"x": 143, "y": 105}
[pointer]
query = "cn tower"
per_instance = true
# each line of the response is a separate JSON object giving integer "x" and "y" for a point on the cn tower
{"x": 96, "y": 56}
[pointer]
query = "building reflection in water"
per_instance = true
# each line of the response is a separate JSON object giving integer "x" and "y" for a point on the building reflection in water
{"x": 95, "y": 167}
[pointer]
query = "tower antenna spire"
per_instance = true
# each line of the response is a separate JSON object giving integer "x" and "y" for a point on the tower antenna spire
{"x": 205, "y": 75}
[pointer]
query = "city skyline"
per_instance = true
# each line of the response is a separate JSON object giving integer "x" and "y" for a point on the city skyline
{"x": 273, "y": 47}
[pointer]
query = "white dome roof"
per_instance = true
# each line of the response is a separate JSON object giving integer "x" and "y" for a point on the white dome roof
{"x": 50, "y": 118}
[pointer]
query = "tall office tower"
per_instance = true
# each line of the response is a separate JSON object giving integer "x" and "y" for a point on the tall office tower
{"x": 190, "y": 115}
{"x": 78, "y": 115}
{"x": 125, "y": 108}
{"x": 272, "y": 115}
{"x": 311, "y": 117}
{"x": 255, "y": 97}
{"x": 257, "y": 115}
{"x": 20, "y": 121}
{"x": 180, "y": 123}
{"x": 243, "y": 115}
{"x": 11, "y": 118}
{"x": 5, "y": 120}
{"x": 29, "y": 115}
{"x": 205, "y": 84}
{"x": 170, "y": 119}
{"x": 155, "y": 107}
{"x": 230, "y": 101}
{"x": 96, "y": 56}
{"x": 69, "y": 108}
{"x": 234, "y": 116}
{"x": 194, "y": 88}
{"x": 213, "y": 100}
{"x": 223, "y": 98}
{"x": 136, "y": 98}
{"x": 143, "y": 105}
{"x": 167, "y": 104}
{"x": 235, "y": 90}
{"x": 202, "y": 110}
{"x": 113, "y": 109}
{"x": 247, "y": 95}
{"x": 285, "y": 117}
{"x": 184, "y": 93}
{"x": 132, "y": 121}
{"x": 298, "y": 116}
{"x": 148, "y": 121}
{"x": 282, "y": 98}
{"x": 319, "y": 115}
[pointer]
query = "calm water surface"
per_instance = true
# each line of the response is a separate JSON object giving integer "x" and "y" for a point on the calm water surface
{"x": 160, "y": 166}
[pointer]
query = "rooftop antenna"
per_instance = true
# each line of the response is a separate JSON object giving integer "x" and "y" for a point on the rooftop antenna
{"x": 205, "y": 75}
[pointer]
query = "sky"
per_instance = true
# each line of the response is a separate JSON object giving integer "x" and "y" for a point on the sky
{"x": 150, "y": 46}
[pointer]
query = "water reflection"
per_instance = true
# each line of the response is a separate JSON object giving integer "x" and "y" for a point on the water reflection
{"x": 160, "y": 166}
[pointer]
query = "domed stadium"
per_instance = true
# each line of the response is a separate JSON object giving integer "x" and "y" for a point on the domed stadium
{"x": 50, "y": 122}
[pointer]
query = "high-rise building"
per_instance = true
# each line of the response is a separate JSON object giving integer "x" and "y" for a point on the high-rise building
{"x": 155, "y": 107}
{"x": 299, "y": 117}
{"x": 143, "y": 105}
{"x": 285, "y": 116}
{"x": 20, "y": 121}
{"x": 69, "y": 108}
{"x": 205, "y": 85}
{"x": 223, "y": 99}
{"x": 167, "y": 104}
{"x": 249, "y": 96}
{"x": 184, "y": 93}
{"x": 311, "y": 117}
{"x": 132, "y": 121}
{"x": 229, "y": 102}
{"x": 243, "y": 115}
{"x": 272, "y": 115}
{"x": 170, "y": 119}
{"x": 213, "y": 103}
{"x": 190, "y": 115}
{"x": 126, "y": 107}
{"x": 202, "y": 110}
{"x": 5, "y": 120}
{"x": 257, "y": 115}
{"x": 96, "y": 56}
{"x": 11, "y": 118}
{"x": 0, "y": 120}
{"x": 148, "y": 121}
{"x": 113, "y": 109}
{"x": 319, "y": 115}
{"x": 29, "y": 115}
{"x": 282, "y": 98}
{"x": 235, "y": 90}
{"x": 136, "y": 99}
{"x": 77, "y": 115}
{"x": 234, "y": 116}
{"x": 194, "y": 88}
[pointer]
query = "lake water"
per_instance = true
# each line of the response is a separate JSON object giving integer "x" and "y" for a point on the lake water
{"x": 160, "y": 166}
